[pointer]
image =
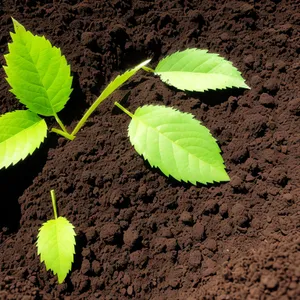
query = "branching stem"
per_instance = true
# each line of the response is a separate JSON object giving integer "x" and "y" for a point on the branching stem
{"x": 64, "y": 134}
{"x": 127, "y": 112}
{"x": 62, "y": 126}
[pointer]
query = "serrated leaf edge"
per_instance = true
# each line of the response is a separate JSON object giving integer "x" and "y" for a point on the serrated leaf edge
{"x": 206, "y": 51}
{"x": 168, "y": 175}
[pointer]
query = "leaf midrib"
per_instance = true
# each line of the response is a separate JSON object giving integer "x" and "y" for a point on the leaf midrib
{"x": 28, "y": 48}
{"x": 172, "y": 142}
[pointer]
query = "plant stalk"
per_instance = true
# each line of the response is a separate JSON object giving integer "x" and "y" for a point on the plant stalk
{"x": 88, "y": 113}
{"x": 127, "y": 112}
{"x": 53, "y": 198}
{"x": 62, "y": 126}
{"x": 147, "y": 69}
{"x": 63, "y": 133}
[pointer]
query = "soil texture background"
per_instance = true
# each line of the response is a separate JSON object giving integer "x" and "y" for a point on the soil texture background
{"x": 141, "y": 235}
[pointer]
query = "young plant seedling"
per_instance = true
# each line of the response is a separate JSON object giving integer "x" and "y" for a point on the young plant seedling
{"x": 40, "y": 78}
{"x": 56, "y": 244}
{"x": 176, "y": 143}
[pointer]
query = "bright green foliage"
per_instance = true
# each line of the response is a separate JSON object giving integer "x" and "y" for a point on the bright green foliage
{"x": 198, "y": 70}
{"x": 56, "y": 246}
{"x": 177, "y": 144}
{"x": 21, "y": 132}
{"x": 37, "y": 72}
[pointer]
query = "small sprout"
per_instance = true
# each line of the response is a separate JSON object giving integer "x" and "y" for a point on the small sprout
{"x": 56, "y": 244}
{"x": 173, "y": 141}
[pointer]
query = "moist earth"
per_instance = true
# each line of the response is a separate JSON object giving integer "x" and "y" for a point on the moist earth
{"x": 141, "y": 235}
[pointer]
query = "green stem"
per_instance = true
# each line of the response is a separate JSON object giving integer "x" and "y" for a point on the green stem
{"x": 53, "y": 198}
{"x": 88, "y": 113}
{"x": 147, "y": 69}
{"x": 124, "y": 110}
{"x": 62, "y": 126}
{"x": 64, "y": 134}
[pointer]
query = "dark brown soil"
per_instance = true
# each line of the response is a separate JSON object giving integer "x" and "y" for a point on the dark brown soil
{"x": 139, "y": 234}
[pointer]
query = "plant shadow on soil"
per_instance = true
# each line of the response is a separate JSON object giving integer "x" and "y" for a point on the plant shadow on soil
{"x": 76, "y": 105}
{"x": 213, "y": 98}
{"x": 177, "y": 183}
{"x": 22, "y": 174}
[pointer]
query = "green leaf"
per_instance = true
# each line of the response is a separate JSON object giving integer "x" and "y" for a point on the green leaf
{"x": 37, "y": 72}
{"x": 197, "y": 70}
{"x": 56, "y": 246}
{"x": 21, "y": 132}
{"x": 177, "y": 144}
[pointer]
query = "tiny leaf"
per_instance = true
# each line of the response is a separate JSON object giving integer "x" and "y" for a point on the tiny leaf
{"x": 56, "y": 246}
{"x": 37, "y": 72}
{"x": 21, "y": 132}
{"x": 177, "y": 144}
{"x": 197, "y": 70}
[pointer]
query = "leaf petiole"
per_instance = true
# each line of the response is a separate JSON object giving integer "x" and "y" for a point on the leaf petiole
{"x": 147, "y": 69}
{"x": 63, "y": 133}
{"x": 53, "y": 199}
{"x": 127, "y": 112}
{"x": 62, "y": 126}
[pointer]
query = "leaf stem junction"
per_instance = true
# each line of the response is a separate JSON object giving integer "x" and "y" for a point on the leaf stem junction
{"x": 127, "y": 112}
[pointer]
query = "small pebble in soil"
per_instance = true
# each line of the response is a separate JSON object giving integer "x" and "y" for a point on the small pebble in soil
{"x": 166, "y": 232}
{"x": 271, "y": 85}
{"x": 266, "y": 100}
{"x": 139, "y": 258}
{"x": 186, "y": 218}
{"x": 236, "y": 183}
{"x": 211, "y": 245}
{"x": 211, "y": 207}
{"x": 223, "y": 210}
{"x": 110, "y": 233}
{"x": 130, "y": 290}
{"x": 198, "y": 232}
{"x": 294, "y": 106}
{"x": 126, "y": 280}
{"x": 96, "y": 267}
{"x": 85, "y": 267}
{"x": 249, "y": 61}
{"x": 131, "y": 238}
{"x": 195, "y": 258}
{"x": 255, "y": 80}
{"x": 240, "y": 215}
{"x": 269, "y": 281}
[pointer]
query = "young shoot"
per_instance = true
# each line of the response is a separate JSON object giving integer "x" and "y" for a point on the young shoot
{"x": 56, "y": 243}
{"x": 40, "y": 78}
